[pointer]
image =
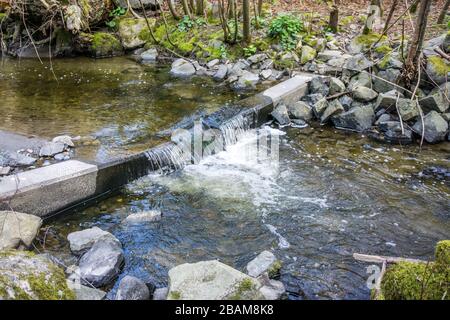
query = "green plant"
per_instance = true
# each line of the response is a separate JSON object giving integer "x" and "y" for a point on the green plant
{"x": 187, "y": 23}
{"x": 117, "y": 12}
{"x": 249, "y": 51}
{"x": 223, "y": 52}
{"x": 285, "y": 28}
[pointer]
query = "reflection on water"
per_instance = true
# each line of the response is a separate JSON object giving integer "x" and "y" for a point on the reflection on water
{"x": 120, "y": 102}
{"x": 331, "y": 195}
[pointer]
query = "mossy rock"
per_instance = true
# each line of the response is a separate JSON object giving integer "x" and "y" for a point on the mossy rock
{"x": 365, "y": 41}
{"x": 383, "y": 49}
{"x": 2, "y": 16}
{"x": 134, "y": 33}
{"x": 438, "y": 69}
{"x": 442, "y": 253}
{"x": 416, "y": 281}
{"x": 104, "y": 45}
{"x": 26, "y": 276}
{"x": 308, "y": 54}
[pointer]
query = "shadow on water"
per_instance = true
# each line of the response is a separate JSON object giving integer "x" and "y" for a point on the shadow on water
{"x": 331, "y": 194}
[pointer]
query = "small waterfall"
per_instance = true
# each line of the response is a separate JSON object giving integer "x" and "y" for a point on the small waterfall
{"x": 202, "y": 140}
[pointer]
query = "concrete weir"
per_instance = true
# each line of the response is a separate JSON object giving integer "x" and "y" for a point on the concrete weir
{"x": 64, "y": 186}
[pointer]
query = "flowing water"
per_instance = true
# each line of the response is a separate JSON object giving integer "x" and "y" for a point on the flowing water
{"x": 124, "y": 105}
{"x": 329, "y": 195}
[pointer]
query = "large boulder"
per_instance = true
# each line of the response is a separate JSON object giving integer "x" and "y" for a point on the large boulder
{"x": 182, "y": 68}
{"x": 81, "y": 241}
{"x": 134, "y": 33}
{"x": 102, "y": 263}
{"x": 435, "y": 127}
{"x": 211, "y": 280}
{"x": 17, "y": 229}
{"x": 357, "y": 119}
{"x": 132, "y": 288}
{"x": 26, "y": 276}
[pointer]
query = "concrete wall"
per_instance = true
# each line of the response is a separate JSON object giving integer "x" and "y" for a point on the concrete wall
{"x": 62, "y": 187}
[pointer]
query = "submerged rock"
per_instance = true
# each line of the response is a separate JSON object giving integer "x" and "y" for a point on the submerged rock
{"x": 81, "y": 241}
{"x": 26, "y": 276}
{"x": 132, "y": 288}
{"x": 18, "y": 229}
{"x": 145, "y": 216}
{"x": 435, "y": 127}
{"x": 211, "y": 280}
{"x": 102, "y": 263}
{"x": 262, "y": 263}
{"x": 149, "y": 55}
{"x": 182, "y": 68}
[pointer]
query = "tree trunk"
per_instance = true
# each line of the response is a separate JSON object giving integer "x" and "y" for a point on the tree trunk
{"x": 443, "y": 12}
{"x": 200, "y": 7}
{"x": 260, "y": 5}
{"x": 187, "y": 11}
{"x": 390, "y": 15}
{"x": 246, "y": 21}
{"x": 334, "y": 16}
{"x": 172, "y": 9}
{"x": 374, "y": 13}
{"x": 417, "y": 41}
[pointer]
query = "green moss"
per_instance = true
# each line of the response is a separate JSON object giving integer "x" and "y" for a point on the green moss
{"x": 384, "y": 62}
{"x": 368, "y": 39}
{"x": 52, "y": 288}
{"x": 439, "y": 65}
{"x": 383, "y": 49}
{"x": 346, "y": 20}
{"x": 442, "y": 253}
{"x": 105, "y": 44}
{"x": 274, "y": 270}
{"x": 243, "y": 287}
{"x": 175, "y": 295}
{"x": 416, "y": 281}
{"x": 2, "y": 16}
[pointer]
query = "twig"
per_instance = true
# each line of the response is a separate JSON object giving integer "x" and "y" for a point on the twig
{"x": 442, "y": 53}
{"x": 381, "y": 259}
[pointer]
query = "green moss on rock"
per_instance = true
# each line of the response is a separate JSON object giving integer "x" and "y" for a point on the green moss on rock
{"x": 442, "y": 253}
{"x": 105, "y": 45}
{"x": 274, "y": 270}
{"x": 383, "y": 49}
{"x": 440, "y": 67}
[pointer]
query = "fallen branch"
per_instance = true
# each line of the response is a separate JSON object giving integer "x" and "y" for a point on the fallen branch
{"x": 442, "y": 53}
{"x": 384, "y": 259}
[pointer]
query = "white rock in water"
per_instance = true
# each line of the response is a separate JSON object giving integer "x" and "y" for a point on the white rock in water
{"x": 182, "y": 68}
{"x": 261, "y": 263}
{"x": 51, "y": 148}
{"x": 146, "y": 216}
{"x": 17, "y": 229}
{"x": 211, "y": 280}
{"x": 81, "y": 241}
{"x": 64, "y": 139}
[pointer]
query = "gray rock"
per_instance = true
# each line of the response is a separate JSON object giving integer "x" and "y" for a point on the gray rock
{"x": 334, "y": 108}
{"x": 408, "y": 109}
{"x": 145, "y": 216}
{"x": 320, "y": 107}
{"x": 308, "y": 54}
{"x": 67, "y": 140}
{"x": 438, "y": 69}
{"x": 346, "y": 101}
{"x": 281, "y": 115}
{"x": 336, "y": 86}
{"x": 430, "y": 45}
{"x": 132, "y": 288}
{"x": 211, "y": 280}
{"x": 19, "y": 268}
{"x": 364, "y": 94}
{"x": 327, "y": 55}
{"x": 383, "y": 118}
{"x": 392, "y": 133}
{"x": 102, "y": 263}
{"x": 221, "y": 73}
{"x": 360, "y": 79}
{"x": 387, "y": 100}
{"x": 266, "y": 64}
{"x": 312, "y": 99}
{"x": 257, "y": 58}
{"x": 273, "y": 290}
{"x": 51, "y": 148}
{"x": 81, "y": 241}
{"x": 129, "y": 31}
{"x": 389, "y": 61}
{"x": 319, "y": 85}
{"x": 182, "y": 68}
{"x": 265, "y": 74}
{"x": 246, "y": 80}
{"x": 23, "y": 159}
{"x": 261, "y": 263}
{"x": 135, "y": 4}
{"x": 86, "y": 293}
{"x": 160, "y": 293}
{"x": 434, "y": 101}
{"x": 18, "y": 229}
{"x": 435, "y": 127}
{"x": 357, "y": 119}
{"x": 149, "y": 55}
{"x": 357, "y": 63}
{"x": 212, "y": 63}
{"x": 391, "y": 75}
{"x": 300, "y": 110}
{"x": 61, "y": 157}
